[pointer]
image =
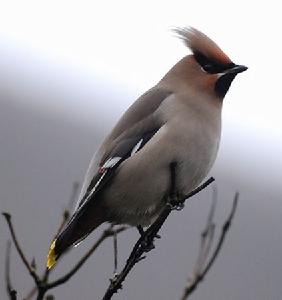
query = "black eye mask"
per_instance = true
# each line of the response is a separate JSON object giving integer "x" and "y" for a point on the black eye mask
{"x": 211, "y": 66}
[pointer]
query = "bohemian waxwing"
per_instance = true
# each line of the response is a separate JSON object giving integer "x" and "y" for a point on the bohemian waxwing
{"x": 178, "y": 120}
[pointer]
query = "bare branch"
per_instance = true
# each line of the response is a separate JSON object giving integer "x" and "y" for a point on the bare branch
{"x": 19, "y": 249}
{"x": 145, "y": 242}
{"x": 41, "y": 283}
{"x": 115, "y": 253}
{"x": 10, "y": 291}
{"x": 207, "y": 236}
{"x": 198, "y": 189}
{"x": 203, "y": 265}
{"x": 224, "y": 230}
{"x": 65, "y": 217}
{"x": 107, "y": 233}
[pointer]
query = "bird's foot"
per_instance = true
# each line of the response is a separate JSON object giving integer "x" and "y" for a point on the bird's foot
{"x": 175, "y": 205}
{"x": 174, "y": 201}
{"x": 148, "y": 245}
{"x": 115, "y": 281}
{"x": 147, "y": 242}
{"x": 115, "y": 277}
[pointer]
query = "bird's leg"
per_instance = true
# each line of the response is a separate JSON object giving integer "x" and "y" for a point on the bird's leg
{"x": 140, "y": 230}
{"x": 173, "y": 198}
{"x": 172, "y": 202}
{"x": 149, "y": 245}
{"x": 115, "y": 253}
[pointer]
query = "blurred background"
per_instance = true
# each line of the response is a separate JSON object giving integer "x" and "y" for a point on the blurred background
{"x": 69, "y": 69}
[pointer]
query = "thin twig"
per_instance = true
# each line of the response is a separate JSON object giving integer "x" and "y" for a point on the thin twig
{"x": 65, "y": 217}
{"x": 200, "y": 275}
{"x": 224, "y": 230}
{"x": 204, "y": 249}
{"x": 10, "y": 290}
{"x": 206, "y": 237}
{"x": 41, "y": 283}
{"x": 107, "y": 233}
{"x": 115, "y": 253}
{"x": 19, "y": 249}
{"x": 143, "y": 245}
{"x": 145, "y": 242}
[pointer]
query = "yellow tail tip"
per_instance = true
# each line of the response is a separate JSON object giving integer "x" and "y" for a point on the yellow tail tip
{"x": 51, "y": 257}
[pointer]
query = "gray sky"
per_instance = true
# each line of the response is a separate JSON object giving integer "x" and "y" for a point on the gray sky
{"x": 61, "y": 65}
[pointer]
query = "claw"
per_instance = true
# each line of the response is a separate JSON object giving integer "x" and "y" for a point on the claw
{"x": 173, "y": 205}
{"x": 114, "y": 279}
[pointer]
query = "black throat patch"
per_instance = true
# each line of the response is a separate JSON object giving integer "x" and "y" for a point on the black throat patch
{"x": 223, "y": 83}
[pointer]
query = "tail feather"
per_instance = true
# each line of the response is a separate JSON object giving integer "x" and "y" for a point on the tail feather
{"x": 77, "y": 229}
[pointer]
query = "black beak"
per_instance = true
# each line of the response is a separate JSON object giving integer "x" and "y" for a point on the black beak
{"x": 236, "y": 69}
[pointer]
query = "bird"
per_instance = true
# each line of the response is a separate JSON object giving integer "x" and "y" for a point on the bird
{"x": 176, "y": 121}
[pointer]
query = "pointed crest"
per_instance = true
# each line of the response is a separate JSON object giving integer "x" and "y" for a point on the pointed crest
{"x": 199, "y": 43}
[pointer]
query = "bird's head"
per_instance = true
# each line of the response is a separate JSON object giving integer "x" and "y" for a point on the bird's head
{"x": 209, "y": 68}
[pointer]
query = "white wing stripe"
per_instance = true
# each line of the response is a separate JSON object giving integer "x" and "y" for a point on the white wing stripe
{"x": 136, "y": 147}
{"x": 111, "y": 162}
{"x": 91, "y": 193}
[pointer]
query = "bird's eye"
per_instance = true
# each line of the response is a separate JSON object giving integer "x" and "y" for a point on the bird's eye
{"x": 208, "y": 65}
{"x": 213, "y": 68}
{"x": 208, "y": 68}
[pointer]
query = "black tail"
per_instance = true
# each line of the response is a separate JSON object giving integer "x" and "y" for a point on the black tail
{"x": 82, "y": 223}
